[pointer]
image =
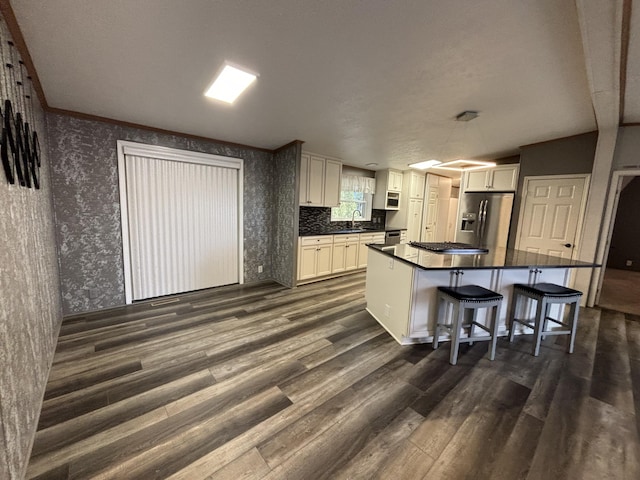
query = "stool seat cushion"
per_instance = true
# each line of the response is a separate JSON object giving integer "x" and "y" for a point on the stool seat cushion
{"x": 471, "y": 293}
{"x": 548, "y": 290}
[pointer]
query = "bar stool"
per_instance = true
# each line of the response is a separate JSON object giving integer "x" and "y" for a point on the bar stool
{"x": 467, "y": 297}
{"x": 545, "y": 295}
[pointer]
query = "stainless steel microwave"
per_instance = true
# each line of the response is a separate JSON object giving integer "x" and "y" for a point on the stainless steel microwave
{"x": 393, "y": 201}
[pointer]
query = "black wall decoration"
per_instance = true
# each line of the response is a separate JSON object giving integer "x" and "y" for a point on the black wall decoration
{"x": 19, "y": 147}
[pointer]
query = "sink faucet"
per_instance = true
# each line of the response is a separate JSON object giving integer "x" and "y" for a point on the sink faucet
{"x": 353, "y": 218}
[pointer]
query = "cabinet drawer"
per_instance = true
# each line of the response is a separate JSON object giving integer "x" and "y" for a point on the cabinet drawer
{"x": 346, "y": 238}
{"x": 372, "y": 237}
{"x": 320, "y": 240}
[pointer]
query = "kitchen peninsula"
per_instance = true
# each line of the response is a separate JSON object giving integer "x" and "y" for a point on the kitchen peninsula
{"x": 402, "y": 281}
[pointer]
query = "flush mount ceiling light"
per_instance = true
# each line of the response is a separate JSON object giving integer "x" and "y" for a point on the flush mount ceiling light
{"x": 371, "y": 165}
{"x": 230, "y": 83}
{"x": 467, "y": 115}
{"x": 425, "y": 165}
{"x": 465, "y": 165}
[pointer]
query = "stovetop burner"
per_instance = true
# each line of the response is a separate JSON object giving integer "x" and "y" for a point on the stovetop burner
{"x": 449, "y": 247}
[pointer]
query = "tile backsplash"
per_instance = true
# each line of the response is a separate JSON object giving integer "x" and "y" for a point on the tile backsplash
{"x": 317, "y": 220}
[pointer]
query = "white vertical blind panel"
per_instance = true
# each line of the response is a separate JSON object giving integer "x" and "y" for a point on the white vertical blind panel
{"x": 183, "y": 226}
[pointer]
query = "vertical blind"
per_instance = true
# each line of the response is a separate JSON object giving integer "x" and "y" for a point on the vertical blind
{"x": 183, "y": 225}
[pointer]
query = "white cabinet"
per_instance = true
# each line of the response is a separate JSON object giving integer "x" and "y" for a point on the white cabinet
{"x": 414, "y": 221}
{"x": 329, "y": 254}
{"x": 413, "y": 188}
{"x": 446, "y": 219}
{"x": 314, "y": 256}
{"x": 430, "y": 215}
{"x": 332, "y": 177}
{"x": 388, "y": 188}
{"x": 363, "y": 250}
{"x": 389, "y": 180}
{"x": 416, "y": 185}
{"x": 345, "y": 253}
{"x": 319, "y": 181}
{"x": 500, "y": 178}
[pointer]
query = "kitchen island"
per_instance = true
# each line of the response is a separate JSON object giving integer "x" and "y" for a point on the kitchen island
{"x": 402, "y": 281}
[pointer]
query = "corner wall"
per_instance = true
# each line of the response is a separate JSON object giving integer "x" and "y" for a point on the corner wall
{"x": 30, "y": 310}
{"x": 286, "y": 213}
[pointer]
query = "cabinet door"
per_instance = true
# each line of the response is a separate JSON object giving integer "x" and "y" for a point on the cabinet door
{"x": 351, "y": 256}
{"x": 430, "y": 215}
{"x": 363, "y": 252}
{"x": 414, "y": 221}
{"x": 417, "y": 186}
{"x": 395, "y": 181}
{"x": 307, "y": 262}
{"x": 332, "y": 176}
{"x": 505, "y": 178}
{"x": 476, "y": 180}
{"x": 304, "y": 179}
{"x": 323, "y": 259}
{"x": 315, "y": 189}
{"x": 338, "y": 260}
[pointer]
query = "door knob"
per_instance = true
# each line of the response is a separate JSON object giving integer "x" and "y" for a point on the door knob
{"x": 568, "y": 245}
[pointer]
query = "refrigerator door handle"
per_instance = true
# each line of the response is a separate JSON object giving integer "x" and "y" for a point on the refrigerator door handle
{"x": 479, "y": 229}
{"x": 483, "y": 216}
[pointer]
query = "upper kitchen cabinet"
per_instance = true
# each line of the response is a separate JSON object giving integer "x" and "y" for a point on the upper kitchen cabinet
{"x": 414, "y": 184}
{"x": 503, "y": 178}
{"x": 319, "y": 181}
{"x": 394, "y": 183}
{"x": 388, "y": 188}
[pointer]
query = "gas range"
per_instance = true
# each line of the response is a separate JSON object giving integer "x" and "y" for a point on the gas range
{"x": 450, "y": 247}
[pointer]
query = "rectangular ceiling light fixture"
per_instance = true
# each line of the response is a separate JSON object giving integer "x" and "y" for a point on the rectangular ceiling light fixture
{"x": 425, "y": 165}
{"x": 230, "y": 83}
{"x": 465, "y": 165}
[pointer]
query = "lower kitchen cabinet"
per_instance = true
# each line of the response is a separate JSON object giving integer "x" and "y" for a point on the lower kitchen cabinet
{"x": 315, "y": 256}
{"x": 363, "y": 251}
{"x": 333, "y": 254}
{"x": 345, "y": 253}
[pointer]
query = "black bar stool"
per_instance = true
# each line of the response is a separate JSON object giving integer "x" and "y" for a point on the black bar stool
{"x": 545, "y": 295}
{"x": 467, "y": 297}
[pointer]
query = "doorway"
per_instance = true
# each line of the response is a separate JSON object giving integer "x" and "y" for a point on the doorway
{"x": 181, "y": 220}
{"x": 618, "y": 287}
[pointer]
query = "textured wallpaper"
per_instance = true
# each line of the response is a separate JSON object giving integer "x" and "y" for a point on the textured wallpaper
{"x": 285, "y": 205}
{"x": 87, "y": 206}
{"x": 30, "y": 312}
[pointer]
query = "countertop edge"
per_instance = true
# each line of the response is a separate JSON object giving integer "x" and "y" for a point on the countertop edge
{"x": 375, "y": 247}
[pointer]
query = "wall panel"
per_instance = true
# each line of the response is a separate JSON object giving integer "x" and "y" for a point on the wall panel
{"x": 30, "y": 307}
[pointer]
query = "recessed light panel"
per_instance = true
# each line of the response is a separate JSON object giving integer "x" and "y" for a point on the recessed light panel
{"x": 425, "y": 165}
{"x": 464, "y": 165}
{"x": 230, "y": 83}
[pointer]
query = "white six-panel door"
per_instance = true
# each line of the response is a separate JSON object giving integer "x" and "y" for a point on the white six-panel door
{"x": 551, "y": 214}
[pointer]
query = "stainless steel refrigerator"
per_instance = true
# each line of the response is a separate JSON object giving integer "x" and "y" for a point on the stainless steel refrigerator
{"x": 484, "y": 219}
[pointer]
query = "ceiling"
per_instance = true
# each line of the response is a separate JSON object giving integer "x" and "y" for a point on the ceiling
{"x": 368, "y": 82}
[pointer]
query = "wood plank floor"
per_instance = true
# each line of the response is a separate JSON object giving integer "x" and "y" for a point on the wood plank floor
{"x": 263, "y": 382}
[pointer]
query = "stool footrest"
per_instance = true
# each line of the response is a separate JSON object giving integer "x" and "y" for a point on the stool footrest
{"x": 557, "y": 321}
{"x": 525, "y": 323}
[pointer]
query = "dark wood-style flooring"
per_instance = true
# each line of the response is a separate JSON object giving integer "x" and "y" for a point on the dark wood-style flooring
{"x": 263, "y": 382}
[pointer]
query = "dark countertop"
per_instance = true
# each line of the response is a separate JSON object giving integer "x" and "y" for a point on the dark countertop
{"x": 343, "y": 231}
{"x": 498, "y": 258}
